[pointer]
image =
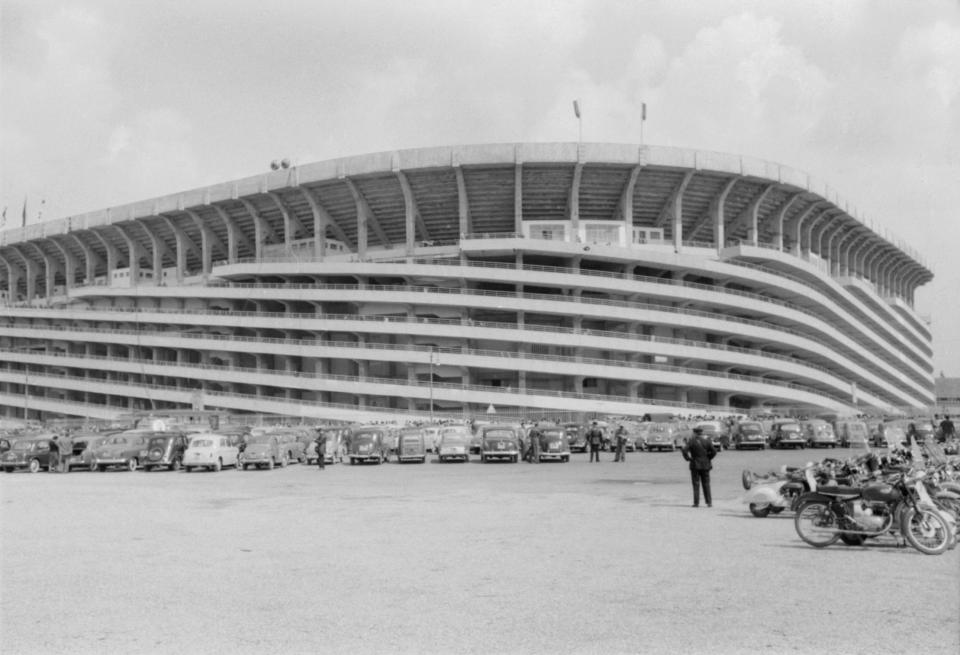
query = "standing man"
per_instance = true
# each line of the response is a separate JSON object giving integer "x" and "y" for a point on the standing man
{"x": 699, "y": 451}
{"x": 53, "y": 463}
{"x": 533, "y": 447}
{"x": 621, "y": 437}
{"x": 595, "y": 439}
{"x": 321, "y": 449}
{"x": 66, "y": 450}
{"x": 947, "y": 429}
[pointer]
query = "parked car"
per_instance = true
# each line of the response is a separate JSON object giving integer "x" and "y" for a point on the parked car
{"x": 576, "y": 436}
{"x": 5, "y": 444}
{"x": 819, "y": 433}
{"x": 888, "y": 434}
{"x": 717, "y": 432}
{"x": 787, "y": 434}
{"x": 122, "y": 449}
{"x": 412, "y": 445}
{"x": 661, "y": 436}
{"x": 210, "y": 451}
{"x": 366, "y": 445}
{"x": 291, "y": 444}
{"x": 851, "y": 434}
{"x": 32, "y": 454}
{"x": 454, "y": 445}
{"x": 432, "y": 435}
{"x": 336, "y": 439}
{"x": 749, "y": 434}
{"x": 500, "y": 442}
{"x": 262, "y": 451}
{"x": 84, "y": 446}
{"x": 164, "y": 449}
{"x": 554, "y": 444}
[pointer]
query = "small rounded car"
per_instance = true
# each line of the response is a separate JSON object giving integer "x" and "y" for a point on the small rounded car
{"x": 661, "y": 436}
{"x": 717, "y": 432}
{"x": 819, "y": 434}
{"x": 454, "y": 445}
{"x": 262, "y": 450}
{"x": 576, "y": 437}
{"x": 554, "y": 444}
{"x": 749, "y": 434}
{"x": 787, "y": 434}
{"x": 122, "y": 449}
{"x": 32, "y": 454}
{"x": 852, "y": 434}
{"x": 211, "y": 451}
{"x": 499, "y": 442}
{"x": 164, "y": 450}
{"x": 411, "y": 445}
{"x": 366, "y": 444}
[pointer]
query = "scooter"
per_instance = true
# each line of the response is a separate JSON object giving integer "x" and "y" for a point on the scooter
{"x": 774, "y": 493}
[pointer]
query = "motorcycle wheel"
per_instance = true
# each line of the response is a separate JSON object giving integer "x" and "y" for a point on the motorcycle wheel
{"x": 746, "y": 479}
{"x": 852, "y": 539}
{"x": 813, "y": 516}
{"x": 926, "y": 531}
{"x": 760, "y": 510}
{"x": 776, "y": 510}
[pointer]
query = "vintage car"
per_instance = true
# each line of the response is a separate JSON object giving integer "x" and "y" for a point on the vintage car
{"x": 499, "y": 442}
{"x": 84, "y": 446}
{"x": 576, "y": 436}
{"x": 661, "y": 436}
{"x": 554, "y": 444}
{"x": 291, "y": 443}
{"x": 819, "y": 433}
{"x": 432, "y": 435}
{"x": 262, "y": 451}
{"x": 717, "y": 432}
{"x": 749, "y": 434}
{"x": 888, "y": 434}
{"x": 6, "y": 443}
{"x": 411, "y": 445}
{"x": 208, "y": 450}
{"x": 366, "y": 444}
{"x": 32, "y": 454}
{"x": 122, "y": 449}
{"x": 851, "y": 434}
{"x": 164, "y": 450}
{"x": 787, "y": 434}
{"x": 336, "y": 438}
{"x": 453, "y": 445}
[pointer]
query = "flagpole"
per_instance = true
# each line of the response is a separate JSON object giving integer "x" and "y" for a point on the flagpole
{"x": 643, "y": 119}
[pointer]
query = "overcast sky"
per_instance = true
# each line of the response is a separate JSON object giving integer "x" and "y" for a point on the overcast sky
{"x": 110, "y": 101}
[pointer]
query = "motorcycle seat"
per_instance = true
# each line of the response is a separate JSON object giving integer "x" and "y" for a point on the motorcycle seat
{"x": 838, "y": 491}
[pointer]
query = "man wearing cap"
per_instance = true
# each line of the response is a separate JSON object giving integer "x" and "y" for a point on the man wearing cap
{"x": 699, "y": 451}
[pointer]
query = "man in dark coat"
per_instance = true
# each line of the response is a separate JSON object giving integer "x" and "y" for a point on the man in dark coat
{"x": 595, "y": 440}
{"x": 699, "y": 451}
{"x": 321, "y": 449}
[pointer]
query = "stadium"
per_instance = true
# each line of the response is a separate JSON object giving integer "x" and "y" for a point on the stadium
{"x": 534, "y": 278}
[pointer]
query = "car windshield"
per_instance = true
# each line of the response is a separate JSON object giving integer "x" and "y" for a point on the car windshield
{"x": 201, "y": 443}
{"x": 23, "y": 445}
{"x": 498, "y": 434}
{"x": 460, "y": 431}
{"x": 260, "y": 438}
{"x": 790, "y": 427}
{"x": 750, "y": 428}
{"x": 367, "y": 434}
{"x": 453, "y": 440}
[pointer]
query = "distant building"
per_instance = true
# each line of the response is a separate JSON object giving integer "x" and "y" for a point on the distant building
{"x": 531, "y": 278}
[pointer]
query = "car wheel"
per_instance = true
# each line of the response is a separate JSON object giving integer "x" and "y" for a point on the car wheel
{"x": 133, "y": 464}
{"x": 34, "y": 465}
{"x": 760, "y": 510}
{"x": 187, "y": 469}
{"x": 218, "y": 465}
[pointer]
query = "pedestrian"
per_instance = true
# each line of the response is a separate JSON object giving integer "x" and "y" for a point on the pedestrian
{"x": 53, "y": 463}
{"x": 699, "y": 451}
{"x": 532, "y": 454}
{"x": 66, "y": 450}
{"x": 621, "y": 437}
{"x": 321, "y": 449}
{"x": 947, "y": 429}
{"x": 595, "y": 439}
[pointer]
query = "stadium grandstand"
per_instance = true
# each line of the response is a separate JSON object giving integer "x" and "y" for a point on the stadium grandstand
{"x": 532, "y": 278}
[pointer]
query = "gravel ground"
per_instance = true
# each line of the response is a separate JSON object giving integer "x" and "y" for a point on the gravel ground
{"x": 448, "y": 558}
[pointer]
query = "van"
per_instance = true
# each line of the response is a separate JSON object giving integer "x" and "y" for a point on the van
{"x": 411, "y": 445}
{"x": 852, "y": 433}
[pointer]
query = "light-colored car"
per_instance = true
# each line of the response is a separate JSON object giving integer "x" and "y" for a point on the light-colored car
{"x": 454, "y": 445}
{"x": 787, "y": 434}
{"x": 819, "y": 434}
{"x": 210, "y": 451}
{"x": 852, "y": 434}
{"x": 717, "y": 432}
{"x": 661, "y": 436}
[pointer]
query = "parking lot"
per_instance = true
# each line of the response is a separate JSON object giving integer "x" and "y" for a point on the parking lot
{"x": 448, "y": 558}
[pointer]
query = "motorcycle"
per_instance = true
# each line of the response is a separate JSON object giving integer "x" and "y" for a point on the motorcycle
{"x": 897, "y": 507}
{"x": 774, "y": 492}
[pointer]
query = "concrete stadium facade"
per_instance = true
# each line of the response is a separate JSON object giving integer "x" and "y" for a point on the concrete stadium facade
{"x": 531, "y": 278}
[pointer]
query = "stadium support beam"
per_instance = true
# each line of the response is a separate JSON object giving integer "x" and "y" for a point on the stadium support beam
{"x": 113, "y": 255}
{"x": 750, "y": 216}
{"x": 184, "y": 243}
{"x": 714, "y": 216}
{"x": 14, "y": 273}
{"x": 672, "y": 210}
{"x": 50, "y": 268}
{"x": 826, "y": 214}
{"x": 69, "y": 263}
{"x": 413, "y": 219}
{"x": 624, "y": 208}
{"x": 518, "y": 195}
{"x": 291, "y": 223}
{"x": 31, "y": 273}
{"x": 158, "y": 249}
{"x": 366, "y": 216}
{"x": 573, "y": 200}
{"x": 208, "y": 239}
{"x": 321, "y": 221}
{"x": 235, "y": 236}
{"x": 839, "y": 260}
{"x": 134, "y": 252}
{"x": 92, "y": 259}
{"x": 261, "y": 228}
{"x": 779, "y": 215}
{"x": 463, "y": 203}
{"x": 792, "y": 227}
